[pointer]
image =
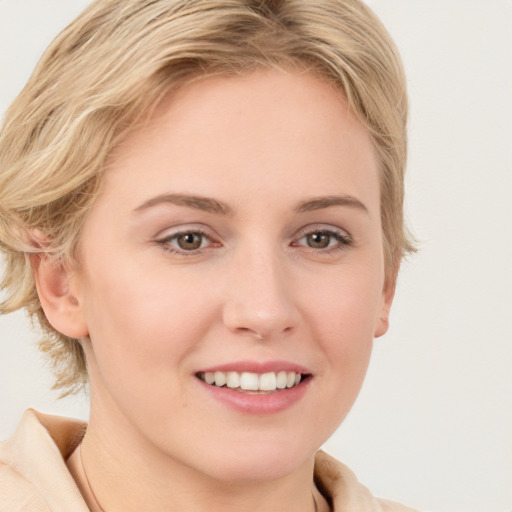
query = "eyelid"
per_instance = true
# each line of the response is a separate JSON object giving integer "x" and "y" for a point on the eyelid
{"x": 322, "y": 228}
{"x": 163, "y": 239}
{"x": 165, "y": 236}
{"x": 344, "y": 238}
{"x": 170, "y": 231}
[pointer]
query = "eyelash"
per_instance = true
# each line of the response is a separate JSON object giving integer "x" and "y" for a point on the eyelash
{"x": 343, "y": 239}
{"x": 165, "y": 242}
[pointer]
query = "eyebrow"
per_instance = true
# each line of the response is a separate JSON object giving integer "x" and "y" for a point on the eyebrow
{"x": 211, "y": 205}
{"x": 318, "y": 203}
{"x": 206, "y": 204}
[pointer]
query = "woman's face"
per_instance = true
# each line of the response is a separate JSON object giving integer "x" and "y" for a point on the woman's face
{"x": 238, "y": 235}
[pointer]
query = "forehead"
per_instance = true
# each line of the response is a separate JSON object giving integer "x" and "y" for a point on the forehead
{"x": 265, "y": 128}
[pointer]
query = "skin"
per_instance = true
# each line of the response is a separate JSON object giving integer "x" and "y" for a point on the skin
{"x": 257, "y": 289}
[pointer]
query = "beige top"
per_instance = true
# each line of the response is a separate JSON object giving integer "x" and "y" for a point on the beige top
{"x": 34, "y": 476}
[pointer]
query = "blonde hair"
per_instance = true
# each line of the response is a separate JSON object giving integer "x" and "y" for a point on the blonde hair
{"x": 109, "y": 67}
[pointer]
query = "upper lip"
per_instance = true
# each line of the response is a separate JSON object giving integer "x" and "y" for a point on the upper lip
{"x": 257, "y": 367}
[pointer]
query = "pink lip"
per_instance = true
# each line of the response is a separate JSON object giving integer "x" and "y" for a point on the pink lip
{"x": 257, "y": 403}
{"x": 257, "y": 367}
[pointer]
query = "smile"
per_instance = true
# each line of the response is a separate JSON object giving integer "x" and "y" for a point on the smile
{"x": 252, "y": 382}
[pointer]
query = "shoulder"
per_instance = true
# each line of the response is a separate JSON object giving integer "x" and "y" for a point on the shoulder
{"x": 33, "y": 472}
{"x": 17, "y": 494}
{"x": 340, "y": 485}
{"x": 391, "y": 506}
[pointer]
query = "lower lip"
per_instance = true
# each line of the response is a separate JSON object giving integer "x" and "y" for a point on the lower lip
{"x": 257, "y": 403}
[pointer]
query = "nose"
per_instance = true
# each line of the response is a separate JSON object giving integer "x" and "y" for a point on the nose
{"x": 260, "y": 301}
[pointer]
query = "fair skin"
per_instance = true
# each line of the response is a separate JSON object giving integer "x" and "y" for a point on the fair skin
{"x": 281, "y": 269}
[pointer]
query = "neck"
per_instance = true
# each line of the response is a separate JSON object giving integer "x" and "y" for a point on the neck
{"x": 128, "y": 473}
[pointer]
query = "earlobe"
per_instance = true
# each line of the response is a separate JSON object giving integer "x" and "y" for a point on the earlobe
{"x": 388, "y": 295}
{"x": 60, "y": 305}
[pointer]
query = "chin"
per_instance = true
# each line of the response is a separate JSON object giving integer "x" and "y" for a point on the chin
{"x": 252, "y": 470}
{"x": 263, "y": 460}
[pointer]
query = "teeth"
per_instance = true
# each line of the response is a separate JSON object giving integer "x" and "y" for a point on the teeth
{"x": 268, "y": 382}
{"x": 220, "y": 378}
{"x": 248, "y": 381}
{"x": 233, "y": 380}
{"x": 282, "y": 379}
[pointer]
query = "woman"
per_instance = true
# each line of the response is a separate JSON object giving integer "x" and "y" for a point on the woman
{"x": 201, "y": 203}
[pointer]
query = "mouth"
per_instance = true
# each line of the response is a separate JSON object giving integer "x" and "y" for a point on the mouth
{"x": 253, "y": 383}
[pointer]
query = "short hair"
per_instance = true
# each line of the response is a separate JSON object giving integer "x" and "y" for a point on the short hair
{"x": 112, "y": 65}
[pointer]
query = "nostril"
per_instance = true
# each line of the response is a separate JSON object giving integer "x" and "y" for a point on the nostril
{"x": 250, "y": 332}
{"x": 260, "y": 321}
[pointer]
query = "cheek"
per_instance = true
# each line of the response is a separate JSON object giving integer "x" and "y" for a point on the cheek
{"x": 348, "y": 341}
{"x": 343, "y": 316}
{"x": 142, "y": 326}
{"x": 346, "y": 303}
{"x": 341, "y": 321}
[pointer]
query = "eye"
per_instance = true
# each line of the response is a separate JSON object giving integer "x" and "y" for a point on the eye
{"x": 190, "y": 241}
{"x": 327, "y": 240}
{"x": 183, "y": 242}
{"x": 319, "y": 240}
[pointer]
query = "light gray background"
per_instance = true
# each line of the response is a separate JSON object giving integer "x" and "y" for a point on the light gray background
{"x": 433, "y": 425}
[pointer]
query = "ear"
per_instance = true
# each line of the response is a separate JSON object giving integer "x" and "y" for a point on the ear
{"x": 60, "y": 305}
{"x": 388, "y": 294}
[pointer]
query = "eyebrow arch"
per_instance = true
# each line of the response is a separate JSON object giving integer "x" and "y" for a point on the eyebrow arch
{"x": 317, "y": 203}
{"x": 206, "y": 204}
